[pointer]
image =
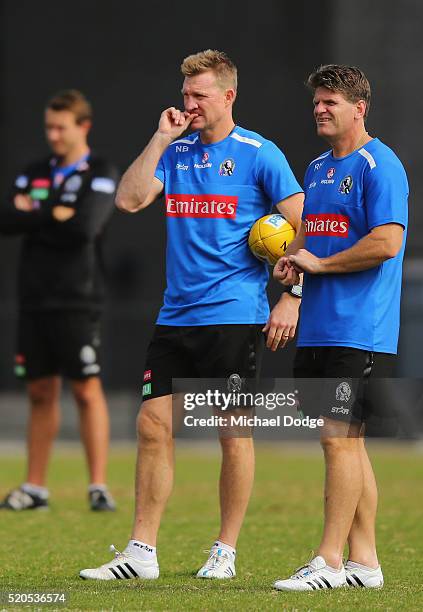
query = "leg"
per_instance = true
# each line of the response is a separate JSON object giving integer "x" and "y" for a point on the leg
{"x": 94, "y": 425}
{"x": 236, "y": 483}
{"x": 343, "y": 488}
{"x": 362, "y": 539}
{"x": 43, "y": 425}
{"x": 155, "y": 464}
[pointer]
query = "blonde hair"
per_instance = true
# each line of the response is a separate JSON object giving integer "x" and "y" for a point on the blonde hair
{"x": 216, "y": 61}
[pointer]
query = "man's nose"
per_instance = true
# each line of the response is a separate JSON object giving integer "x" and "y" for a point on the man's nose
{"x": 190, "y": 104}
{"x": 319, "y": 108}
{"x": 52, "y": 135}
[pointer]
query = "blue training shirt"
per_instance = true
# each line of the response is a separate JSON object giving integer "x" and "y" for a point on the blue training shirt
{"x": 345, "y": 199}
{"x": 213, "y": 195}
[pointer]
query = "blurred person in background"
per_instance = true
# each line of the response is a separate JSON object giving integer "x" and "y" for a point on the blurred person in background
{"x": 215, "y": 310}
{"x": 351, "y": 249}
{"x": 61, "y": 206}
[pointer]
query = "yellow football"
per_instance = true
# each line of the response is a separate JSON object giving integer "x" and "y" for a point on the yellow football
{"x": 269, "y": 238}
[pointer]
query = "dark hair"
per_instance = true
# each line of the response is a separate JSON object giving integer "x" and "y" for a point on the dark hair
{"x": 74, "y": 101}
{"x": 347, "y": 80}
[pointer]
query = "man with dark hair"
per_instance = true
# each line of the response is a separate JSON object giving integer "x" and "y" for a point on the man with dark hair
{"x": 350, "y": 249}
{"x": 217, "y": 182}
{"x": 61, "y": 206}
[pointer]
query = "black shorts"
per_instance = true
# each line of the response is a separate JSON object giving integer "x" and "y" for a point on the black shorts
{"x": 206, "y": 351}
{"x": 53, "y": 343}
{"x": 352, "y": 383}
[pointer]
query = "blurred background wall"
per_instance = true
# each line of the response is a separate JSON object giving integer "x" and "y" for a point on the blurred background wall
{"x": 126, "y": 55}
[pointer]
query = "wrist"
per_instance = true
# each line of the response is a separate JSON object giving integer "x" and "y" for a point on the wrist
{"x": 287, "y": 296}
{"x": 162, "y": 139}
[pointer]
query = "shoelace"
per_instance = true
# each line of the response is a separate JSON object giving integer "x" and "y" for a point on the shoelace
{"x": 118, "y": 554}
{"x": 300, "y": 573}
{"x": 215, "y": 560}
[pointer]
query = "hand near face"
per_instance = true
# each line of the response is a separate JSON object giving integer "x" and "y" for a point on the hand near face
{"x": 174, "y": 122}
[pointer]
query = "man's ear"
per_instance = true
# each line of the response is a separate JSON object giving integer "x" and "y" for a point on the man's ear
{"x": 361, "y": 107}
{"x": 230, "y": 95}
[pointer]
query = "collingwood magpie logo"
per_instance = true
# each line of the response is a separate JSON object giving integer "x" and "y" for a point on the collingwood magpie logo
{"x": 234, "y": 383}
{"x": 346, "y": 185}
{"x": 227, "y": 167}
{"x": 343, "y": 392}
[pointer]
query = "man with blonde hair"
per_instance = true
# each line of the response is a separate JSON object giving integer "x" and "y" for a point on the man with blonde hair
{"x": 217, "y": 182}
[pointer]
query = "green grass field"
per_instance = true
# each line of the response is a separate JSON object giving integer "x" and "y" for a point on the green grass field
{"x": 44, "y": 551}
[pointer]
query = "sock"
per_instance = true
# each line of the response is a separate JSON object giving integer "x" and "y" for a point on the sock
{"x": 333, "y": 569}
{"x": 96, "y": 487}
{"x": 223, "y": 546}
{"x": 141, "y": 550}
{"x": 33, "y": 489}
{"x": 360, "y": 566}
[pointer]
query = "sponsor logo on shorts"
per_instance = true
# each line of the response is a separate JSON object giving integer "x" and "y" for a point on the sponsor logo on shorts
{"x": 87, "y": 354}
{"x": 147, "y": 375}
{"x": 327, "y": 224}
{"x": 206, "y": 206}
{"x": 227, "y": 167}
{"x": 93, "y": 368}
{"x": 343, "y": 392}
{"x": 346, "y": 185}
{"x": 20, "y": 367}
{"x": 234, "y": 383}
{"x": 146, "y": 390}
{"x": 340, "y": 410}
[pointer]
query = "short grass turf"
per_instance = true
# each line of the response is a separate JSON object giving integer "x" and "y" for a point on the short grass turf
{"x": 44, "y": 551}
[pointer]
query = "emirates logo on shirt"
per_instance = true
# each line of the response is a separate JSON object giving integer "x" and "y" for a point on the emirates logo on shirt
{"x": 327, "y": 224}
{"x": 207, "y": 206}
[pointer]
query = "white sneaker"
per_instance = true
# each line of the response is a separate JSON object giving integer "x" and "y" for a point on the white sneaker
{"x": 220, "y": 564}
{"x": 123, "y": 566}
{"x": 312, "y": 577}
{"x": 366, "y": 577}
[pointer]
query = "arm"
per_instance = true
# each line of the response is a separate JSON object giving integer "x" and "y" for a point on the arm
{"x": 291, "y": 208}
{"x": 14, "y": 221}
{"x": 382, "y": 243}
{"x": 284, "y": 270}
{"x": 19, "y": 214}
{"x": 283, "y": 319}
{"x": 139, "y": 187}
{"x": 82, "y": 223}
